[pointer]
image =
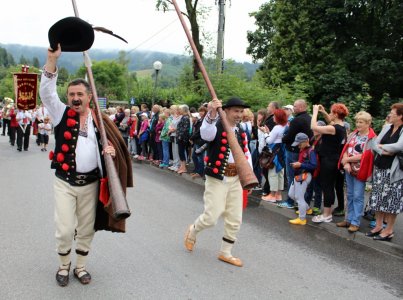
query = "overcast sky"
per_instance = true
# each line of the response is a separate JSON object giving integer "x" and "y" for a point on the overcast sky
{"x": 27, "y": 22}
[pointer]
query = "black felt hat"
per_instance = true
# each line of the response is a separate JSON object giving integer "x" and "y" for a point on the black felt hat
{"x": 73, "y": 34}
{"x": 235, "y": 102}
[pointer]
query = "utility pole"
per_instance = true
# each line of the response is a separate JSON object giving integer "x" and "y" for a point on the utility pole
{"x": 220, "y": 36}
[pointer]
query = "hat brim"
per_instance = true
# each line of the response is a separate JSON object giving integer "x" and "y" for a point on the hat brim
{"x": 295, "y": 144}
{"x": 236, "y": 105}
{"x": 73, "y": 35}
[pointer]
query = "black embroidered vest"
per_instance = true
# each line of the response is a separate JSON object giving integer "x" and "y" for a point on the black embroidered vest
{"x": 66, "y": 135}
{"x": 218, "y": 151}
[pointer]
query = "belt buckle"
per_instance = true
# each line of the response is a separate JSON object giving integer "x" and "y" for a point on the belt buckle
{"x": 80, "y": 181}
{"x": 81, "y": 176}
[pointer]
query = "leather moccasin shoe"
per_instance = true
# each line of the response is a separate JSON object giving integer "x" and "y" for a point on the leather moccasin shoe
{"x": 189, "y": 241}
{"x": 344, "y": 224}
{"x": 82, "y": 275}
{"x": 61, "y": 278}
{"x": 231, "y": 260}
{"x": 353, "y": 228}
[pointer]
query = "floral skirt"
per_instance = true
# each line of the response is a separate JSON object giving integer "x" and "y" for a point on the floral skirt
{"x": 385, "y": 196}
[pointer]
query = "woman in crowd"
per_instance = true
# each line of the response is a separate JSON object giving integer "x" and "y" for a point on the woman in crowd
{"x": 182, "y": 136}
{"x": 274, "y": 141}
{"x": 387, "y": 196}
{"x": 124, "y": 126}
{"x": 133, "y": 132}
{"x": 198, "y": 142}
{"x": 246, "y": 124}
{"x": 158, "y": 142}
{"x": 119, "y": 116}
{"x": 261, "y": 117}
{"x": 176, "y": 117}
{"x": 357, "y": 161}
{"x": 166, "y": 139}
{"x": 333, "y": 136}
{"x": 143, "y": 136}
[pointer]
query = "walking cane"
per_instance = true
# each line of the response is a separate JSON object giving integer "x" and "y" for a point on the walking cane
{"x": 120, "y": 207}
{"x": 246, "y": 176}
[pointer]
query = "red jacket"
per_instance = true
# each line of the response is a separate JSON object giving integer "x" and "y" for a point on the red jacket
{"x": 367, "y": 158}
{"x": 13, "y": 118}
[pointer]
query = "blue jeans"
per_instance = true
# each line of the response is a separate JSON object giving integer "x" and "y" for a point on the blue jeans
{"x": 198, "y": 161}
{"x": 314, "y": 187}
{"x": 290, "y": 157}
{"x": 355, "y": 199}
{"x": 165, "y": 152}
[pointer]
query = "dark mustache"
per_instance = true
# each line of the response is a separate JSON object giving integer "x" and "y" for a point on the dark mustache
{"x": 76, "y": 102}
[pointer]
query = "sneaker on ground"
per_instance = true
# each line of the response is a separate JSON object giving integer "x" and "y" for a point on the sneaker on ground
{"x": 322, "y": 219}
{"x": 285, "y": 204}
{"x": 298, "y": 221}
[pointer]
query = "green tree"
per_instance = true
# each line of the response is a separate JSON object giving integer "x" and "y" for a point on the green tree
{"x": 192, "y": 13}
{"x": 110, "y": 79}
{"x": 331, "y": 48}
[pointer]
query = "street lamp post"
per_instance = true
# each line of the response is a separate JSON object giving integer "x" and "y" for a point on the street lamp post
{"x": 157, "y": 67}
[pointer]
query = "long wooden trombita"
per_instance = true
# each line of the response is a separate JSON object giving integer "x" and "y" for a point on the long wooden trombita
{"x": 120, "y": 207}
{"x": 246, "y": 176}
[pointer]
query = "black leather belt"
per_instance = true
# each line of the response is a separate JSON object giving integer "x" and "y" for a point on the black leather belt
{"x": 78, "y": 179}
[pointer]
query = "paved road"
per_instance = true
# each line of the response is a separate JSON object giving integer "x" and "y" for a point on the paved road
{"x": 149, "y": 261}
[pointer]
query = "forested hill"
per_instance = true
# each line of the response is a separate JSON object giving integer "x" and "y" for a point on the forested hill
{"x": 138, "y": 60}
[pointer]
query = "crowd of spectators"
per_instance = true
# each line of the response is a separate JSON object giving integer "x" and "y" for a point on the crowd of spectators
{"x": 314, "y": 157}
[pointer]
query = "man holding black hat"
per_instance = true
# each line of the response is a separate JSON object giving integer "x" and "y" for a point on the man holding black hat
{"x": 78, "y": 156}
{"x": 223, "y": 190}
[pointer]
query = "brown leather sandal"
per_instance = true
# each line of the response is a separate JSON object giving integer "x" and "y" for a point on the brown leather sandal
{"x": 82, "y": 275}
{"x": 63, "y": 280}
{"x": 235, "y": 261}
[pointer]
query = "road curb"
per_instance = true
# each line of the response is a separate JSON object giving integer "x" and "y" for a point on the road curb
{"x": 254, "y": 200}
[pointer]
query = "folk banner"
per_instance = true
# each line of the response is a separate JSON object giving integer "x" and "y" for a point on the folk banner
{"x": 26, "y": 89}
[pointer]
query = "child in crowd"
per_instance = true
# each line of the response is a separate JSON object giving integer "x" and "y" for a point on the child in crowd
{"x": 158, "y": 142}
{"x": 44, "y": 130}
{"x": 303, "y": 170}
{"x": 132, "y": 135}
{"x": 314, "y": 187}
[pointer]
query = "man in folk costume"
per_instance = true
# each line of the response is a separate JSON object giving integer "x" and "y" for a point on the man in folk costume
{"x": 223, "y": 190}
{"x": 24, "y": 119}
{"x": 78, "y": 160}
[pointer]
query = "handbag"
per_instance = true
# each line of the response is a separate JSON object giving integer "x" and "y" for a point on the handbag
{"x": 266, "y": 158}
{"x": 355, "y": 168}
{"x": 301, "y": 177}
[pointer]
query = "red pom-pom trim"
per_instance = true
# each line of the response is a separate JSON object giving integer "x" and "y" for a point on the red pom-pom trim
{"x": 206, "y": 158}
{"x": 67, "y": 135}
{"x": 65, "y": 148}
{"x": 223, "y": 149}
{"x": 65, "y": 167}
{"x": 245, "y": 143}
{"x": 247, "y": 157}
{"x": 224, "y": 134}
{"x": 71, "y": 122}
{"x": 243, "y": 135}
{"x": 71, "y": 113}
{"x": 60, "y": 157}
{"x": 224, "y": 141}
{"x": 221, "y": 156}
{"x": 245, "y": 149}
{"x": 215, "y": 171}
{"x": 218, "y": 163}
{"x": 51, "y": 155}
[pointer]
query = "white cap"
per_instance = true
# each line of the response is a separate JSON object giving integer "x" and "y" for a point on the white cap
{"x": 290, "y": 107}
